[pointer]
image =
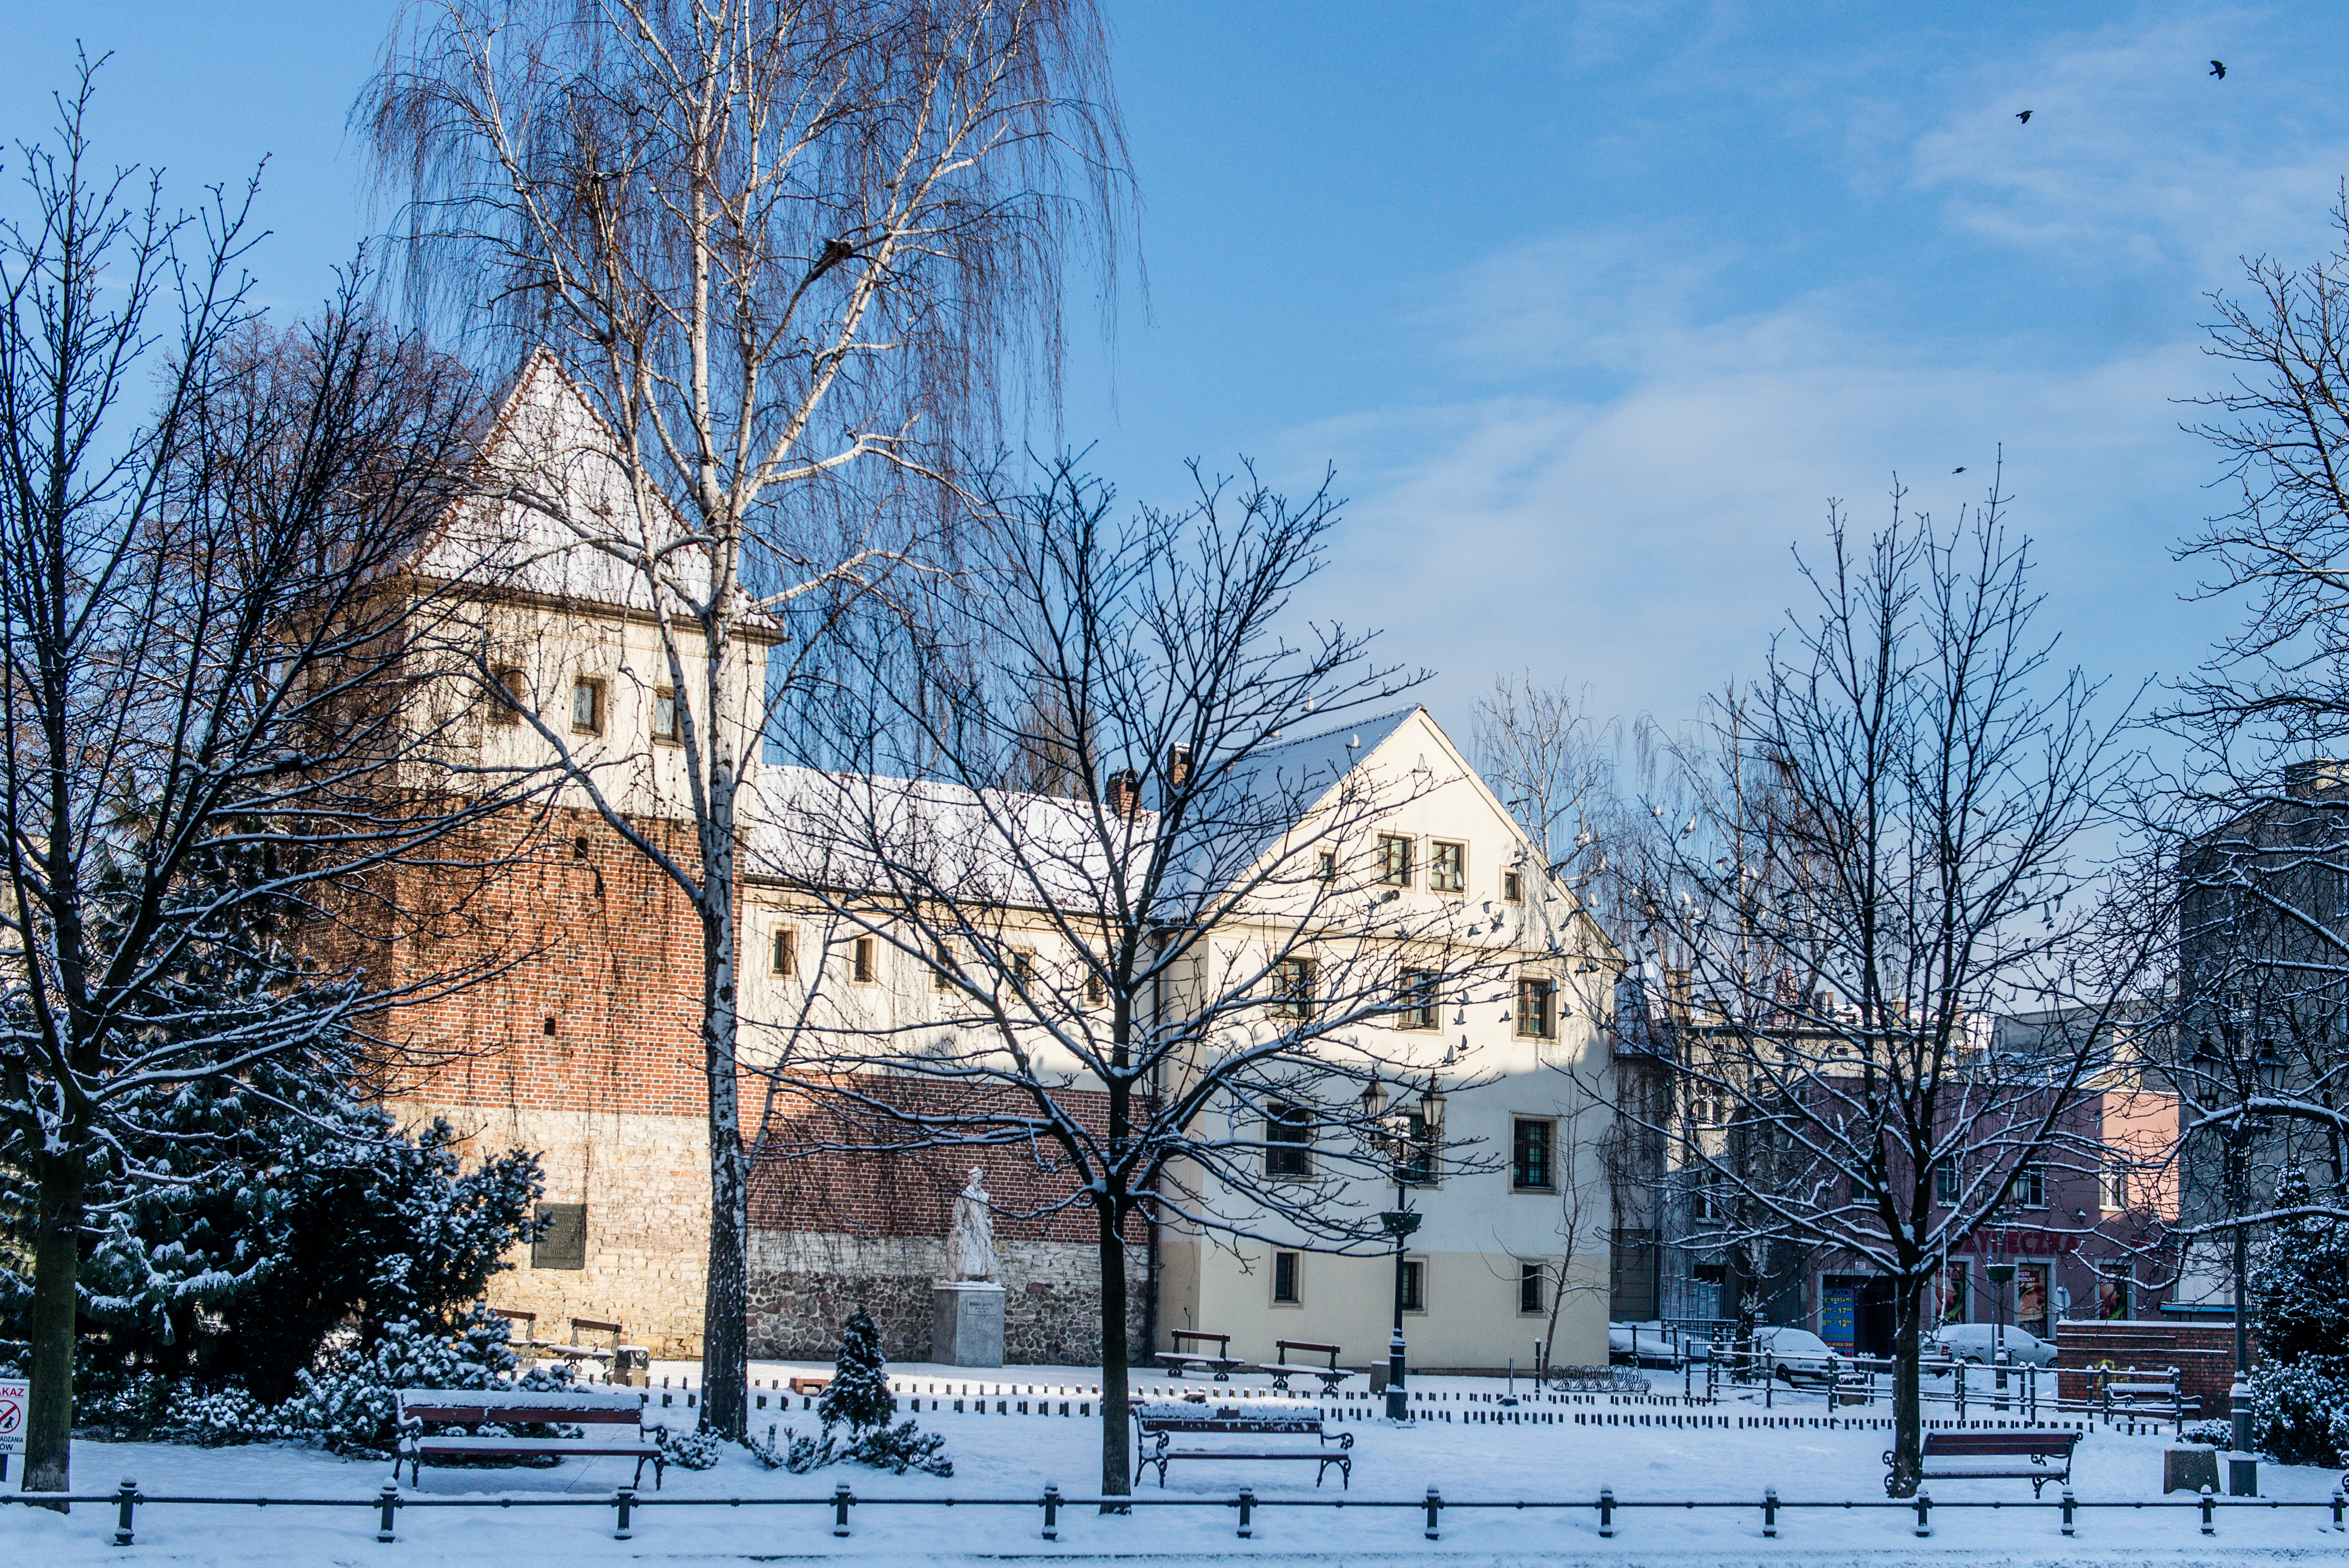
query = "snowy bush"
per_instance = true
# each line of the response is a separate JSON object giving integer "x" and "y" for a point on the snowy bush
{"x": 2215, "y": 1433}
{"x": 858, "y": 1399}
{"x": 2300, "y": 1410}
{"x": 688, "y": 1448}
{"x": 354, "y": 1410}
{"x": 2299, "y": 1297}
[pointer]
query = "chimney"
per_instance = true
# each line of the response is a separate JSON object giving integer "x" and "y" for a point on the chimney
{"x": 1124, "y": 793}
{"x": 2318, "y": 776}
{"x": 1178, "y": 766}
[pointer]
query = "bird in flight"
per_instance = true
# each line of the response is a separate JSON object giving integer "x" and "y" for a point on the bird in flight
{"x": 1959, "y": 470}
{"x": 2218, "y": 70}
{"x": 2024, "y": 117}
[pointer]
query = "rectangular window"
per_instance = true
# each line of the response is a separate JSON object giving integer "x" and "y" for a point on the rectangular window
{"x": 1288, "y": 1139}
{"x": 1095, "y": 992}
{"x": 1513, "y": 886}
{"x": 942, "y": 969}
{"x": 1447, "y": 867}
{"x": 1417, "y": 1007}
{"x": 1413, "y": 1286}
{"x": 1530, "y": 1166}
{"x": 784, "y": 957}
{"x": 1394, "y": 860}
{"x": 1292, "y": 988}
{"x": 562, "y": 1239}
{"x": 2114, "y": 1295}
{"x": 1284, "y": 1278}
{"x": 587, "y": 705}
{"x": 1532, "y": 1282}
{"x": 508, "y": 708}
{"x": 665, "y": 715}
{"x": 1325, "y": 865}
{"x": 2031, "y": 1188}
{"x": 1536, "y": 1007}
{"x": 2112, "y": 1186}
{"x": 1023, "y": 964}
{"x": 1702, "y": 1206}
{"x": 1945, "y": 1182}
{"x": 1416, "y": 1164}
{"x": 863, "y": 968}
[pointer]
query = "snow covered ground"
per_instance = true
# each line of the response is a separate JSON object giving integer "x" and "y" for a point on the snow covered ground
{"x": 1013, "y": 1457}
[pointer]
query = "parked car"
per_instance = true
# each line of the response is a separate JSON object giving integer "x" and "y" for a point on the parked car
{"x": 1972, "y": 1342}
{"x": 1643, "y": 1345}
{"x": 1797, "y": 1356}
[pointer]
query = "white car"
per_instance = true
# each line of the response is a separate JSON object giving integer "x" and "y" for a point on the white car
{"x": 1796, "y": 1355}
{"x": 1644, "y": 1344}
{"x": 1972, "y": 1342}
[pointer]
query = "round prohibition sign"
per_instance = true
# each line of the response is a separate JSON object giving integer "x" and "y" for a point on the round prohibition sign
{"x": 11, "y": 1413}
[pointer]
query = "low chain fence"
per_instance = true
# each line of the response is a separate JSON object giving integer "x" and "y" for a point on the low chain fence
{"x": 627, "y": 1505}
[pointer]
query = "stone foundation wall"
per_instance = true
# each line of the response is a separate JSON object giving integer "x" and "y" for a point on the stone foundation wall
{"x": 804, "y": 1286}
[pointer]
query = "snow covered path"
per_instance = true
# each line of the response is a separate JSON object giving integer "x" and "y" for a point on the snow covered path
{"x": 1015, "y": 1457}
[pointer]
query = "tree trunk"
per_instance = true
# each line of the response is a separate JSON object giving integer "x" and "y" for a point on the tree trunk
{"x": 1117, "y": 1440}
{"x": 1907, "y": 1403}
{"x": 57, "y": 1265}
{"x": 725, "y": 1304}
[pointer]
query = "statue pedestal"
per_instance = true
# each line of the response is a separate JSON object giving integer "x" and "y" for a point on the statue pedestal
{"x": 966, "y": 1322}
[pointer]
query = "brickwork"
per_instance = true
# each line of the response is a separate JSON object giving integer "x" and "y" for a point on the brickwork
{"x": 2203, "y": 1352}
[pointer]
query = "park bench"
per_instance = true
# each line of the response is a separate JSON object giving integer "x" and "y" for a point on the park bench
{"x": 1285, "y": 1368}
{"x": 1177, "y": 1360}
{"x": 2035, "y": 1457}
{"x": 1234, "y": 1433}
{"x": 421, "y": 1407}
{"x": 2126, "y": 1392}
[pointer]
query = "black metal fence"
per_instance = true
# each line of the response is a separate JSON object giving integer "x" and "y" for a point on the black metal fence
{"x": 626, "y": 1504}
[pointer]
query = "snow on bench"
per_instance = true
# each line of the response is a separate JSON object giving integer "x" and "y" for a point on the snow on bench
{"x": 1996, "y": 1455}
{"x": 1177, "y": 1359}
{"x": 421, "y": 1407}
{"x": 1284, "y": 1369}
{"x": 1228, "y": 1432}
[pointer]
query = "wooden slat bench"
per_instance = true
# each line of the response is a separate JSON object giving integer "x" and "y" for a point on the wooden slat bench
{"x": 1284, "y": 1369}
{"x": 1178, "y": 1359}
{"x": 1258, "y": 1432}
{"x": 421, "y": 1407}
{"x": 2035, "y": 1457}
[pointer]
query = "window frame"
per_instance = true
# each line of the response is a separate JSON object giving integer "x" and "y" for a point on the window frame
{"x": 599, "y": 703}
{"x": 1325, "y": 866}
{"x": 1295, "y": 982}
{"x": 783, "y": 953}
{"x": 675, "y": 734}
{"x": 1544, "y": 1026}
{"x": 513, "y": 682}
{"x": 1414, "y": 1284}
{"x": 1288, "y": 1141}
{"x": 1517, "y": 1146}
{"x": 1395, "y": 855}
{"x": 1419, "y": 999}
{"x": 2030, "y": 1189}
{"x": 942, "y": 968}
{"x": 1451, "y": 882}
{"x": 2112, "y": 1186}
{"x": 1513, "y": 887}
{"x": 1293, "y": 1264}
{"x": 1949, "y": 1183}
{"x": 863, "y": 962}
{"x": 1534, "y": 1273}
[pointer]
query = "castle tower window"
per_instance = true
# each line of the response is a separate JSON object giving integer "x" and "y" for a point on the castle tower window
{"x": 587, "y": 705}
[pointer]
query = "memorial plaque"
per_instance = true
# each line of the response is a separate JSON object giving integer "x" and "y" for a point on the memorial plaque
{"x": 564, "y": 1243}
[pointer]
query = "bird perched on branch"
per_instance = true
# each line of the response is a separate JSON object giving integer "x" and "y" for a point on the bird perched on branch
{"x": 2024, "y": 117}
{"x": 2218, "y": 70}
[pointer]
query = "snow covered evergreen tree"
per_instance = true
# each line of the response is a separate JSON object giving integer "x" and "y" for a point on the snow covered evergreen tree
{"x": 858, "y": 1393}
{"x": 2300, "y": 1301}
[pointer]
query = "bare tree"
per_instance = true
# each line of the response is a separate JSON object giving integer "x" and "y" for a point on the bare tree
{"x": 1552, "y": 762}
{"x": 788, "y": 252}
{"x": 207, "y": 759}
{"x": 1877, "y": 865}
{"x": 1174, "y": 987}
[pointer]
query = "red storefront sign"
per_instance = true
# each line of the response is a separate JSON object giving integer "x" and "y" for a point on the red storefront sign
{"x": 2014, "y": 1241}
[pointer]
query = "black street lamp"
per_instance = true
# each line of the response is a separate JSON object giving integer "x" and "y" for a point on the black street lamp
{"x": 2267, "y": 1072}
{"x": 1407, "y": 1158}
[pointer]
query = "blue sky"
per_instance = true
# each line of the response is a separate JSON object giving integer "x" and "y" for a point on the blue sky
{"x": 1592, "y": 306}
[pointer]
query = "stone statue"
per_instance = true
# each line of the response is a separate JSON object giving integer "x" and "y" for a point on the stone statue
{"x": 970, "y": 1241}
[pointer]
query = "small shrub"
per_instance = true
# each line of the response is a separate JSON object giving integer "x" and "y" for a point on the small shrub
{"x": 689, "y": 1447}
{"x": 2300, "y": 1410}
{"x": 2217, "y": 1434}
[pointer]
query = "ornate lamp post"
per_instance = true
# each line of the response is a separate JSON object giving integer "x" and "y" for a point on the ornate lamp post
{"x": 1406, "y": 1157}
{"x": 2001, "y": 1274}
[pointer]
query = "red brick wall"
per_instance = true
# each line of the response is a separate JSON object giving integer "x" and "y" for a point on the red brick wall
{"x": 2203, "y": 1352}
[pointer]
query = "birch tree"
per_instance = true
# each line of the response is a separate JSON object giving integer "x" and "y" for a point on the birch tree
{"x": 1173, "y": 986}
{"x": 793, "y": 254}
{"x": 207, "y": 761}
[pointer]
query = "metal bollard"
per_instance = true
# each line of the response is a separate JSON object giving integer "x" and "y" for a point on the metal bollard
{"x": 841, "y": 1498}
{"x": 1052, "y": 1511}
{"x": 2208, "y": 1513}
{"x": 2068, "y": 1505}
{"x": 2337, "y": 1500}
{"x": 1924, "y": 1513}
{"x": 624, "y": 1499}
{"x": 1770, "y": 1513}
{"x": 1435, "y": 1512}
{"x": 1606, "y": 1512}
{"x": 123, "y": 1499}
{"x": 1247, "y": 1513}
{"x": 387, "y": 1500}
